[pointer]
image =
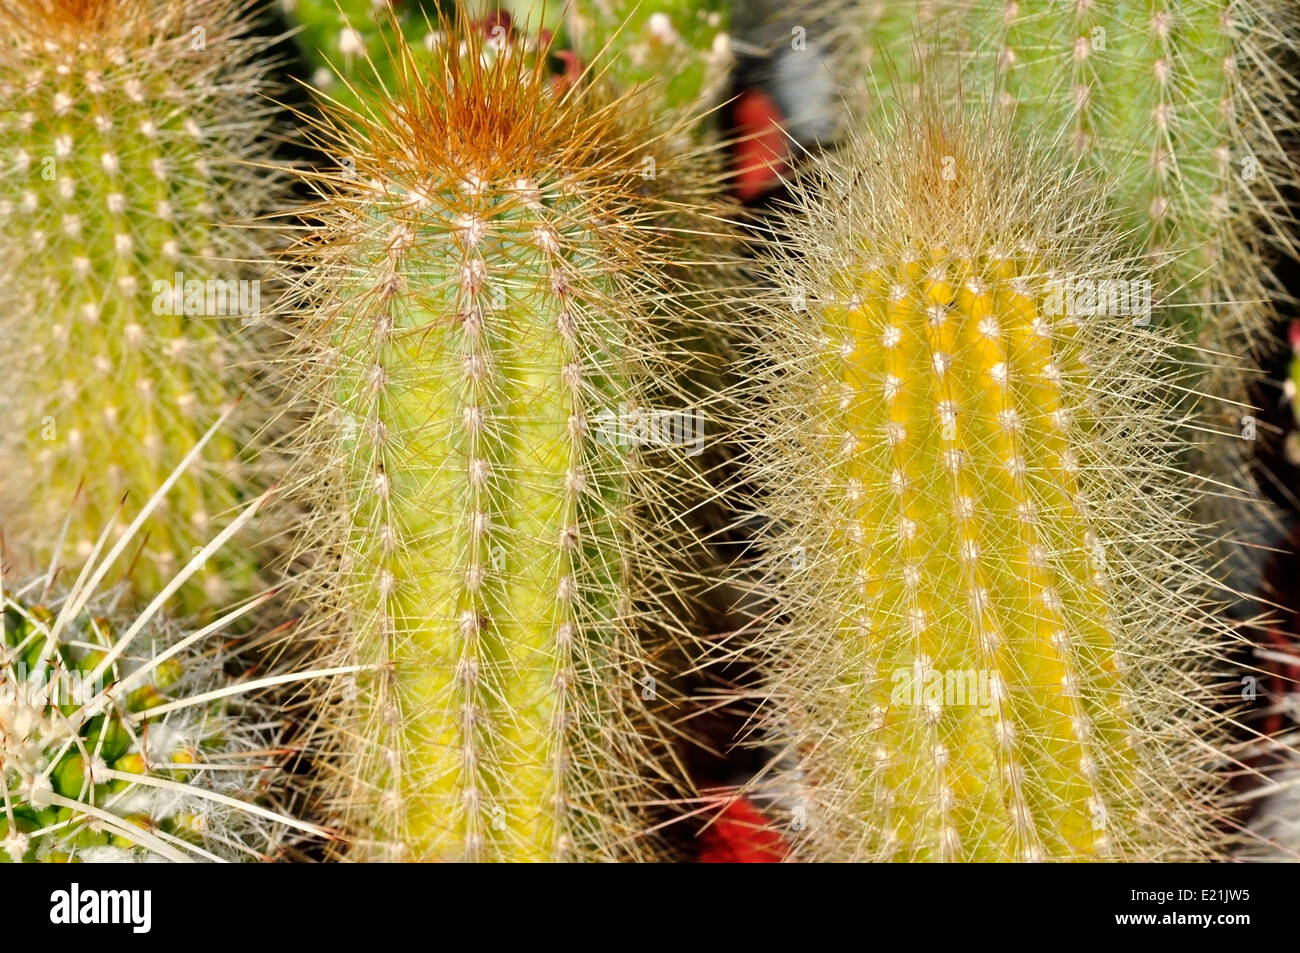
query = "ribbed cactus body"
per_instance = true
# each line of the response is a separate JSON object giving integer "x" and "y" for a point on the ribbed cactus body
{"x": 952, "y": 518}
{"x": 488, "y": 335}
{"x": 123, "y": 126}
{"x": 979, "y": 602}
{"x": 1179, "y": 108}
{"x": 483, "y": 512}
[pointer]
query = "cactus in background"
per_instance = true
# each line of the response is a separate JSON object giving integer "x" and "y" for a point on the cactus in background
{"x": 349, "y": 40}
{"x": 121, "y": 736}
{"x": 126, "y": 124}
{"x": 497, "y": 413}
{"x": 1181, "y": 107}
{"x": 683, "y": 46}
{"x": 1178, "y": 107}
{"x": 991, "y": 634}
{"x": 679, "y": 46}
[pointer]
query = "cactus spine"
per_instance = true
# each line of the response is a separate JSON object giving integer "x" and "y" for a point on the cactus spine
{"x": 121, "y": 736}
{"x": 1179, "y": 107}
{"x": 991, "y": 638}
{"x": 485, "y": 326}
{"x": 125, "y": 124}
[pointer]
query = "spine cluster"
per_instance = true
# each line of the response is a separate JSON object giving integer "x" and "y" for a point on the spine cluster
{"x": 126, "y": 126}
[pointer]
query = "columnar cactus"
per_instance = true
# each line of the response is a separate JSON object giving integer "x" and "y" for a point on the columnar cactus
{"x": 125, "y": 126}
{"x": 989, "y": 635}
{"x": 121, "y": 736}
{"x": 1178, "y": 106}
{"x": 495, "y": 401}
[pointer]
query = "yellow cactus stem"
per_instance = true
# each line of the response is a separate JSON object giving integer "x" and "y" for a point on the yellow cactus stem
{"x": 990, "y": 626}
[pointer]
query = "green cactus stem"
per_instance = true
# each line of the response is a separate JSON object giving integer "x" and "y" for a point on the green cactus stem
{"x": 488, "y": 345}
{"x": 126, "y": 126}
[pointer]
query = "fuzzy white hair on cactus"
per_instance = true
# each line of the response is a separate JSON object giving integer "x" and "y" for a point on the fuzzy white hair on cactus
{"x": 122, "y": 737}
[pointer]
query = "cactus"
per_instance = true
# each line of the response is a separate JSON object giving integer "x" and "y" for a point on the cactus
{"x": 1182, "y": 110}
{"x": 679, "y": 46}
{"x": 490, "y": 290}
{"x": 346, "y": 41}
{"x": 682, "y": 45}
{"x": 121, "y": 736}
{"x": 1179, "y": 107}
{"x": 126, "y": 129}
{"x": 991, "y": 627}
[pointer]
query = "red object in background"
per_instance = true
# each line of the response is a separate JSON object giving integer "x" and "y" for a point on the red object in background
{"x": 498, "y": 18}
{"x": 1283, "y": 679}
{"x": 763, "y": 152}
{"x": 573, "y": 70}
{"x": 741, "y": 834}
{"x": 573, "y": 66}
